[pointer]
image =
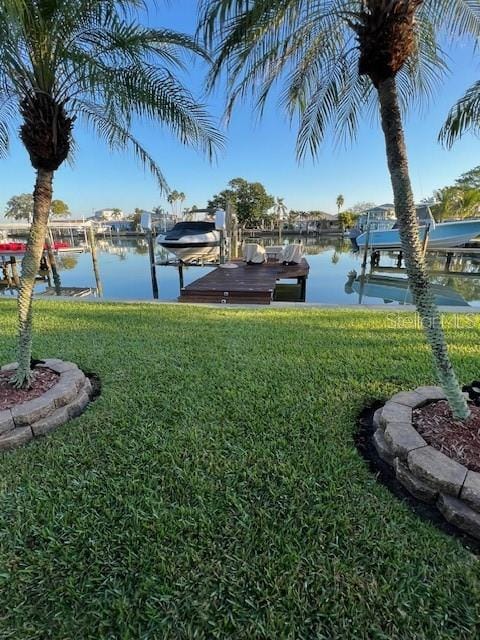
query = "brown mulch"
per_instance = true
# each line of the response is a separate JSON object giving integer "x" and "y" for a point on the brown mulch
{"x": 458, "y": 440}
{"x": 9, "y": 397}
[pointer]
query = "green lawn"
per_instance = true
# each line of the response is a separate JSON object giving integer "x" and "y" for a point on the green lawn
{"x": 214, "y": 489}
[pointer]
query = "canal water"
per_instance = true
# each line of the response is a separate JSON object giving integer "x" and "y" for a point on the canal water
{"x": 335, "y": 274}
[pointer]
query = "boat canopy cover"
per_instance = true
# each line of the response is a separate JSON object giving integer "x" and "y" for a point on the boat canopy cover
{"x": 424, "y": 216}
{"x": 292, "y": 253}
{"x": 182, "y": 229}
{"x": 254, "y": 253}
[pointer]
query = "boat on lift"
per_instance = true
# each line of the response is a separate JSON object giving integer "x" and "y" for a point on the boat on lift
{"x": 12, "y": 248}
{"x": 192, "y": 240}
{"x": 440, "y": 235}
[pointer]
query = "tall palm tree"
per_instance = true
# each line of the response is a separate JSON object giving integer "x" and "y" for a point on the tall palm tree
{"x": 172, "y": 199}
{"x": 175, "y": 198}
{"x": 280, "y": 211}
{"x": 89, "y": 60}
{"x": 336, "y": 58}
{"x": 340, "y": 202}
{"x": 181, "y": 198}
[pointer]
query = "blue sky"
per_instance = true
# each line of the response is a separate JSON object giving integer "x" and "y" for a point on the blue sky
{"x": 259, "y": 151}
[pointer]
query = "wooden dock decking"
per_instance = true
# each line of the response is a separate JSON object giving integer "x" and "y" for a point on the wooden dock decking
{"x": 246, "y": 284}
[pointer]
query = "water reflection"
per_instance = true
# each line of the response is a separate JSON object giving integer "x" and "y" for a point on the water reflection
{"x": 335, "y": 273}
{"x": 395, "y": 289}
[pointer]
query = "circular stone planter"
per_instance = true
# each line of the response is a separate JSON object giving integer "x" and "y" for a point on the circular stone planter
{"x": 67, "y": 399}
{"x": 428, "y": 474}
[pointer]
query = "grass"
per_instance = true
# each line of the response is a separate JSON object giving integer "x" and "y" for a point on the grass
{"x": 214, "y": 490}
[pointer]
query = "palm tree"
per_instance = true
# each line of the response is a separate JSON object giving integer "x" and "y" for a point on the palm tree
{"x": 171, "y": 199}
{"x": 456, "y": 202}
{"x": 181, "y": 198}
{"x": 88, "y": 60}
{"x": 338, "y": 57}
{"x": 174, "y": 198}
{"x": 340, "y": 202}
{"x": 470, "y": 203}
{"x": 447, "y": 202}
{"x": 280, "y": 211}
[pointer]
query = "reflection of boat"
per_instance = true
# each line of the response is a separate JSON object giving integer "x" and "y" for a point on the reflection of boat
{"x": 444, "y": 234}
{"x": 390, "y": 289}
{"x": 192, "y": 240}
{"x": 21, "y": 247}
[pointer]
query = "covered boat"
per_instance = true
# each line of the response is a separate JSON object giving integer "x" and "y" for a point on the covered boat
{"x": 192, "y": 240}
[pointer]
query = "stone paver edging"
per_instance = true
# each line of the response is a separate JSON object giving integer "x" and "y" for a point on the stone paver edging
{"x": 428, "y": 474}
{"x": 67, "y": 399}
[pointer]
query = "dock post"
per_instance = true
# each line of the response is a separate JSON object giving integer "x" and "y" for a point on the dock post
{"x": 425, "y": 240}
{"x": 449, "y": 261}
{"x": 93, "y": 250}
{"x": 52, "y": 263}
{"x": 232, "y": 231}
{"x": 180, "y": 275}
{"x": 6, "y": 274}
{"x": 13, "y": 267}
{"x": 364, "y": 266}
{"x": 222, "y": 247}
{"x": 302, "y": 281}
{"x": 365, "y": 253}
{"x": 234, "y": 242}
{"x": 153, "y": 270}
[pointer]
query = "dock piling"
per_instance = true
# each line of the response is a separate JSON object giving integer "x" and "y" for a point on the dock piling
{"x": 153, "y": 270}
{"x": 52, "y": 264}
{"x": 14, "y": 270}
{"x": 93, "y": 250}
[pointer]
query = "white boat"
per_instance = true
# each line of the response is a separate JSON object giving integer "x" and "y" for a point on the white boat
{"x": 443, "y": 234}
{"x": 191, "y": 241}
{"x": 391, "y": 289}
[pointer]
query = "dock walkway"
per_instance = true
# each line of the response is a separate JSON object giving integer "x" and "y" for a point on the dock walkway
{"x": 247, "y": 283}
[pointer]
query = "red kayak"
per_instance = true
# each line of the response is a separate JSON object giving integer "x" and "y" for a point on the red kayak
{"x": 21, "y": 247}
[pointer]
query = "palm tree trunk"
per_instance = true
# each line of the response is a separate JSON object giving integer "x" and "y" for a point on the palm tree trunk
{"x": 408, "y": 226}
{"x": 42, "y": 199}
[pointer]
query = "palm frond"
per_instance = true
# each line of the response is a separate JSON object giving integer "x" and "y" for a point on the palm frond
{"x": 455, "y": 17}
{"x": 310, "y": 48}
{"x": 463, "y": 117}
{"x": 117, "y": 136}
{"x": 96, "y": 52}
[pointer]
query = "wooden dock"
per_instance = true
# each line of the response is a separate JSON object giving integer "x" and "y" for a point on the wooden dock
{"x": 248, "y": 284}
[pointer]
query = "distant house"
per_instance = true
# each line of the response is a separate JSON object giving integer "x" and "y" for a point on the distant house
{"x": 384, "y": 217}
{"x": 327, "y": 219}
{"x": 378, "y": 217}
{"x": 121, "y": 225}
{"x": 109, "y": 214}
{"x": 163, "y": 220}
{"x": 307, "y": 221}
